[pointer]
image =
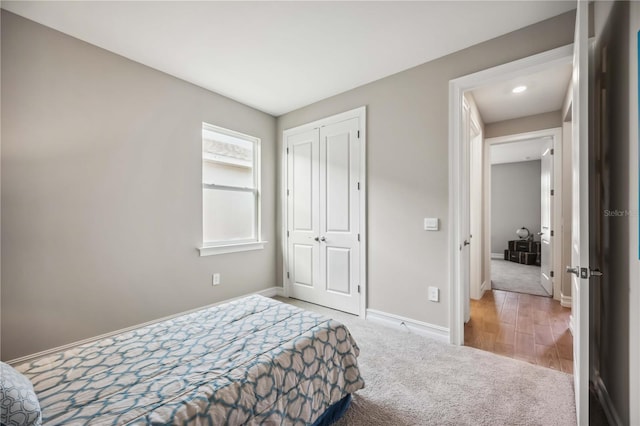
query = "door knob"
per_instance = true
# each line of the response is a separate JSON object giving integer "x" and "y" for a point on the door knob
{"x": 317, "y": 239}
{"x": 323, "y": 239}
{"x": 575, "y": 271}
{"x": 466, "y": 242}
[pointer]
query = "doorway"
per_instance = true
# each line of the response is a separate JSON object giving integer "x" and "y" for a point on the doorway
{"x": 459, "y": 173}
{"x": 510, "y": 321}
{"x": 526, "y": 221}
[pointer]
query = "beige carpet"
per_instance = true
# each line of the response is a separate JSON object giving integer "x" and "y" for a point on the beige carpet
{"x": 511, "y": 276}
{"x": 415, "y": 380}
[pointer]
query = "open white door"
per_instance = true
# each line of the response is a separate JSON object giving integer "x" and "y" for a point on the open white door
{"x": 546, "y": 215}
{"x": 465, "y": 255}
{"x": 580, "y": 216}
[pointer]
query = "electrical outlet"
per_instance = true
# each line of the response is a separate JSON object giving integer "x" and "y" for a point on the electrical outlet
{"x": 434, "y": 294}
{"x": 216, "y": 279}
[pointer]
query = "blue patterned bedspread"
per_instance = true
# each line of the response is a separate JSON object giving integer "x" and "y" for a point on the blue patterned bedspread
{"x": 251, "y": 361}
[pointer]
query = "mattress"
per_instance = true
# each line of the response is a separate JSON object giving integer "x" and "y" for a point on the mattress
{"x": 251, "y": 361}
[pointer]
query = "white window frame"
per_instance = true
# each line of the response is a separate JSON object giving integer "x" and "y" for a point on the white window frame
{"x": 208, "y": 248}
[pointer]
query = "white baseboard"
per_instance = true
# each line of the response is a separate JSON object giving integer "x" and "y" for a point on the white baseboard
{"x": 605, "y": 400}
{"x": 565, "y": 301}
{"x": 571, "y": 324}
{"x": 418, "y": 327}
{"x": 497, "y": 256}
{"x": 268, "y": 292}
{"x": 486, "y": 285}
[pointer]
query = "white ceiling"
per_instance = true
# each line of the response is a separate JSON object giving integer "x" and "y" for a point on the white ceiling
{"x": 514, "y": 152}
{"x": 280, "y": 56}
{"x": 546, "y": 91}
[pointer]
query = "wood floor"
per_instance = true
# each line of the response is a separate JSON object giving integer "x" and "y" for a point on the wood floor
{"x": 522, "y": 326}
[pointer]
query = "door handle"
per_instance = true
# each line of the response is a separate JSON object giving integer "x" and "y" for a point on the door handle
{"x": 466, "y": 242}
{"x": 323, "y": 239}
{"x": 316, "y": 238}
{"x": 575, "y": 271}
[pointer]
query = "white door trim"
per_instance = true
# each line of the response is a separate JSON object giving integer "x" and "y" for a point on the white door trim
{"x": 556, "y": 134}
{"x": 361, "y": 114}
{"x": 457, "y": 87}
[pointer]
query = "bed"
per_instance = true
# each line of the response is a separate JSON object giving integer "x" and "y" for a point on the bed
{"x": 251, "y": 361}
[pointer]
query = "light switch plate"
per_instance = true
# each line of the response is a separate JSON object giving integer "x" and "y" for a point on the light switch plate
{"x": 431, "y": 223}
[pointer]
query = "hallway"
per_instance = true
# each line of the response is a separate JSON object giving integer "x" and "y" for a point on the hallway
{"x": 522, "y": 326}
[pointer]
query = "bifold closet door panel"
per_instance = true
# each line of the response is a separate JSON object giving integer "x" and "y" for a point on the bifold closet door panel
{"x": 303, "y": 213}
{"x": 340, "y": 214}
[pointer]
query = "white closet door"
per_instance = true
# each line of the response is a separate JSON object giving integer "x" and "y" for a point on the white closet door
{"x": 340, "y": 215}
{"x": 304, "y": 214}
{"x": 324, "y": 215}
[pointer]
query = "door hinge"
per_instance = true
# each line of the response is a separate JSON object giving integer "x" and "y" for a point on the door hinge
{"x": 553, "y": 192}
{"x": 358, "y": 289}
{"x": 552, "y": 233}
{"x": 551, "y": 273}
{"x": 287, "y": 275}
{"x": 358, "y": 237}
{"x": 358, "y": 186}
{"x": 287, "y": 151}
{"x": 287, "y": 234}
{"x": 552, "y": 151}
{"x": 358, "y": 134}
{"x": 287, "y": 192}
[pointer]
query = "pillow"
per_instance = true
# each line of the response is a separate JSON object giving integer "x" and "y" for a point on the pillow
{"x": 18, "y": 402}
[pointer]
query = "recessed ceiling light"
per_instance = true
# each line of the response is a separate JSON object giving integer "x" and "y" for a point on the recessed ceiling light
{"x": 519, "y": 89}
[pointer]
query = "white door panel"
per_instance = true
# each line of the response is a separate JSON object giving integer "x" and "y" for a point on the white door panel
{"x": 580, "y": 211}
{"x": 338, "y": 187}
{"x": 303, "y": 264}
{"x": 546, "y": 209}
{"x": 338, "y": 266}
{"x": 340, "y": 214}
{"x": 303, "y": 217}
{"x": 465, "y": 256}
{"x": 303, "y": 185}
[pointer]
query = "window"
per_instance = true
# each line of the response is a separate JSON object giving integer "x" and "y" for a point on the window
{"x": 230, "y": 191}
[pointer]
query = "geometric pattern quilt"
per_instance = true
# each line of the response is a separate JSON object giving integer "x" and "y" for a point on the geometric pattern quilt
{"x": 18, "y": 402}
{"x": 250, "y": 361}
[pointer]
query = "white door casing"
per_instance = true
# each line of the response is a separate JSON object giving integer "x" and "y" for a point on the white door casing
{"x": 555, "y": 136}
{"x": 546, "y": 216}
{"x": 324, "y": 256}
{"x": 580, "y": 217}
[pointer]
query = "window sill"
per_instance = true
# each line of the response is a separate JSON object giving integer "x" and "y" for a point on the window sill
{"x": 231, "y": 248}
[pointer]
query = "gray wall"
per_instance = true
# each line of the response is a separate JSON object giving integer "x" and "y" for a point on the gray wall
{"x": 515, "y": 201}
{"x": 531, "y": 123}
{"x": 612, "y": 252}
{"x": 407, "y": 166}
{"x": 101, "y": 192}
